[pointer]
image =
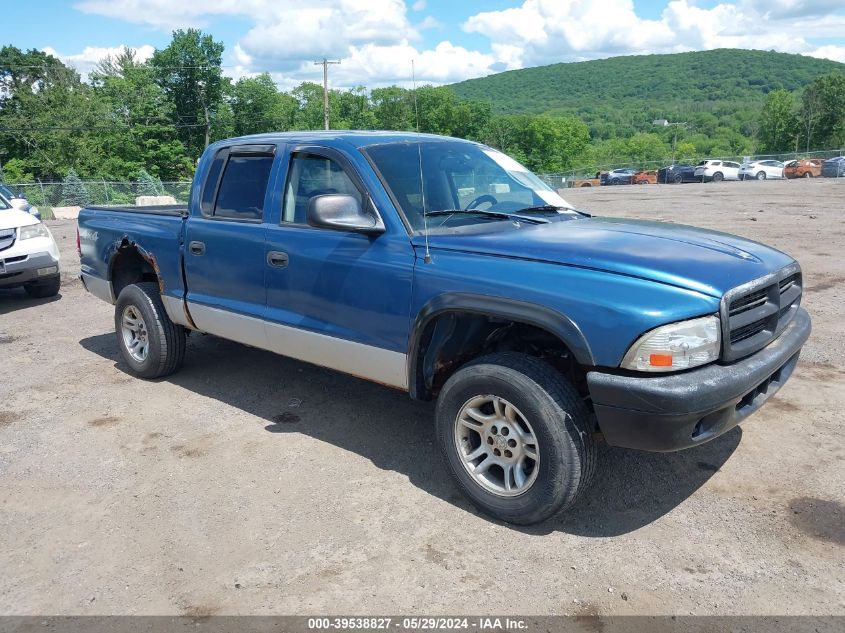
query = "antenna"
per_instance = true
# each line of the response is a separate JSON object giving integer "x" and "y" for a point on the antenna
{"x": 427, "y": 258}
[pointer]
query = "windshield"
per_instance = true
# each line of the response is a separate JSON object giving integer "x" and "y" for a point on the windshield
{"x": 4, "y": 204}
{"x": 458, "y": 176}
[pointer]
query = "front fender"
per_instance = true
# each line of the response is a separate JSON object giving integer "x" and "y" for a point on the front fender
{"x": 540, "y": 316}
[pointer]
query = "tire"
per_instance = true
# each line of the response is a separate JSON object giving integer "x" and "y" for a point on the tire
{"x": 807, "y": 174}
{"x": 761, "y": 175}
{"x": 540, "y": 400}
{"x": 718, "y": 177}
{"x": 165, "y": 341}
{"x": 615, "y": 181}
{"x": 587, "y": 184}
{"x": 42, "y": 290}
{"x": 678, "y": 179}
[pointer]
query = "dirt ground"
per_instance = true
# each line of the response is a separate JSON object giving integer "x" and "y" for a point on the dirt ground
{"x": 250, "y": 483}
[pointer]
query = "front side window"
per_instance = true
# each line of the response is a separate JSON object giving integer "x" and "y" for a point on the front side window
{"x": 313, "y": 175}
{"x": 243, "y": 187}
{"x": 438, "y": 176}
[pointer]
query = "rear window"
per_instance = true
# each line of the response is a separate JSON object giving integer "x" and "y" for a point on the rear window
{"x": 243, "y": 187}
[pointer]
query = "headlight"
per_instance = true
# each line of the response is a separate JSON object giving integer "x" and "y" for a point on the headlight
{"x": 33, "y": 230}
{"x": 677, "y": 346}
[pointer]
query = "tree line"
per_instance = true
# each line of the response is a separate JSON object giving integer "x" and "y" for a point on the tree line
{"x": 134, "y": 120}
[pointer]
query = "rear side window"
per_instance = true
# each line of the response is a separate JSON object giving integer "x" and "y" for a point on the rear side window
{"x": 210, "y": 186}
{"x": 243, "y": 187}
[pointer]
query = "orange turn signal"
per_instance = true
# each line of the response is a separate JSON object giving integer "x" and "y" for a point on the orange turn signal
{"x": 660, "y": 360}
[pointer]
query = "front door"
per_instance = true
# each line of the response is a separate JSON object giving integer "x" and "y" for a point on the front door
{"x": 335, "y": 298}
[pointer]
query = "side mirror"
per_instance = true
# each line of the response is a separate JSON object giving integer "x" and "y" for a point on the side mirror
{"x": 342, "y": 212}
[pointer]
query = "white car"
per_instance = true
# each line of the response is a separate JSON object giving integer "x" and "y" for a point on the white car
{"x": 29, "y": 256}
{"x": 717, "y": 170}
{"x": 761, "y": 170}
{"x": 19, "y": 202}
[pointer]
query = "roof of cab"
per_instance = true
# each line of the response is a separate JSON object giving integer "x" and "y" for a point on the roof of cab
{"x": 357, "y": 138}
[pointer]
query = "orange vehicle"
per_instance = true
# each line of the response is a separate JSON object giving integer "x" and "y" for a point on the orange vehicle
{"x": 588, "y": 182}
{"x": 645, "y": 177}
{"x": 803, "y": 168}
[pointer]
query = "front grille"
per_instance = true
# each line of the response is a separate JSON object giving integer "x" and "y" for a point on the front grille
{"x": 755, "y": 313}
{"x": 7, "y": 238}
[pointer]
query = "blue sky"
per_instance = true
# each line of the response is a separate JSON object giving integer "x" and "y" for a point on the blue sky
{"x": 449, "y": 40}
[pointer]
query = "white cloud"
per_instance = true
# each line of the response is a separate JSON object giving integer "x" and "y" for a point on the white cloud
{"x": 86, "y": 61}
{"x": 836, "y": 53}
{"x": 376, "y": 39}
{"x": 546, "y": 31}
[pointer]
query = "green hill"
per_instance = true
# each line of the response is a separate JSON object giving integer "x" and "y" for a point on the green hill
{"x": 722, "y": 88}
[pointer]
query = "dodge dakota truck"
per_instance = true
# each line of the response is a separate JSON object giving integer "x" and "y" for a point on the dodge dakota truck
{"x": 445, "y": 269}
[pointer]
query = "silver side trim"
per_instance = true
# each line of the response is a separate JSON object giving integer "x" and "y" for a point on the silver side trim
{"x": 100, "y": 288}
{"x": 365, "y": 361}
{"x": 175, "y": 308}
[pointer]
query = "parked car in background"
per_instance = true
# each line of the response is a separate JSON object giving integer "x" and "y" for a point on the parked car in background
{"x": 677, "y": 174}
{"x": 834, "y": 167}
{"x": 716, "y": 170}
{"x": 645, "y": 177}
{"x": 29, "y": 256}
{"x": 803, "y": 168}
{"x": 761, "y": 170}
{"x": 18, "y": 201}
{"x": 588, "y": 182}
{"x": 622, "y": 176}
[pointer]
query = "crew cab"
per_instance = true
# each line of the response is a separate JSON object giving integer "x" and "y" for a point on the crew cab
{"x": 445, "y": 269}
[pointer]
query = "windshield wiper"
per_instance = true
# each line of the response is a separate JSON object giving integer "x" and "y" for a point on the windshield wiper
{"x": 494, "y": 214}
{"x": 553, "y": 207}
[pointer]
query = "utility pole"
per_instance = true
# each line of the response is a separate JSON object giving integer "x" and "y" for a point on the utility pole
{"x": 325, "y": 64}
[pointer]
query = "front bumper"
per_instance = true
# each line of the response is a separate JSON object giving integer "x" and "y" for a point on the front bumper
{"x": 18, "y": 270}
{"x": 673, "y": 412}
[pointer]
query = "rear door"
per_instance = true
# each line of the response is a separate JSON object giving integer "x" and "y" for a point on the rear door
{"x": 224, "y": 244}
{"x": 336, "y": 298}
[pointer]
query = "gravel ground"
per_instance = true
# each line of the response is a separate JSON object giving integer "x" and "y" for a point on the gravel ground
{"x": 250, "y": 483}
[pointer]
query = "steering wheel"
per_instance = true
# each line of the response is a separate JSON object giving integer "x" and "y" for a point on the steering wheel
{"x": 480, "y": 199}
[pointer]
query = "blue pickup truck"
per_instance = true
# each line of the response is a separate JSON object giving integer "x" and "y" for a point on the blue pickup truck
{"x": 445, "y": 269}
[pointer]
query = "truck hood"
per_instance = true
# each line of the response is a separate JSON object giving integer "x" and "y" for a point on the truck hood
{"x": 15, "y": 218}
{"x": 696, "y": 259}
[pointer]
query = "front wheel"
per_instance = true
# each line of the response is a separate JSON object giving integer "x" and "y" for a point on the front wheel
{"x": 516, "y": 437}
{"x": 149, "y": 342}
{"x": 718, "y": 177}
{"x": 42, "y": 290}
{"x": 807, "y": 174}
{"x": 761, "y": 175}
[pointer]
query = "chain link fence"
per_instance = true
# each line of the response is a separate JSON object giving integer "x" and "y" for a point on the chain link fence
{"x": 46, "y": 195}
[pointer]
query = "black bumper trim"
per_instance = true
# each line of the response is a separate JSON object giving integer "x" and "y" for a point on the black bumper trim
{"x": 672, "y": 412}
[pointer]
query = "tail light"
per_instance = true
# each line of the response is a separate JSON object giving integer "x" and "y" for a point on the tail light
{"x": 78, "y": 243}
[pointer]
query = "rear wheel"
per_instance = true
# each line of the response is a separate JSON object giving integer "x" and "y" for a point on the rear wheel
{"x": 149, "y": 342}
{"x": 516, "y": 437}
{"x": 718, "y": 177}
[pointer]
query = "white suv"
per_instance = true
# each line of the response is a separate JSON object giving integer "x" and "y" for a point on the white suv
{"x": 717, "y": 170}
{"x": 29, "y": 256}
{"x": 761, "y": 170}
